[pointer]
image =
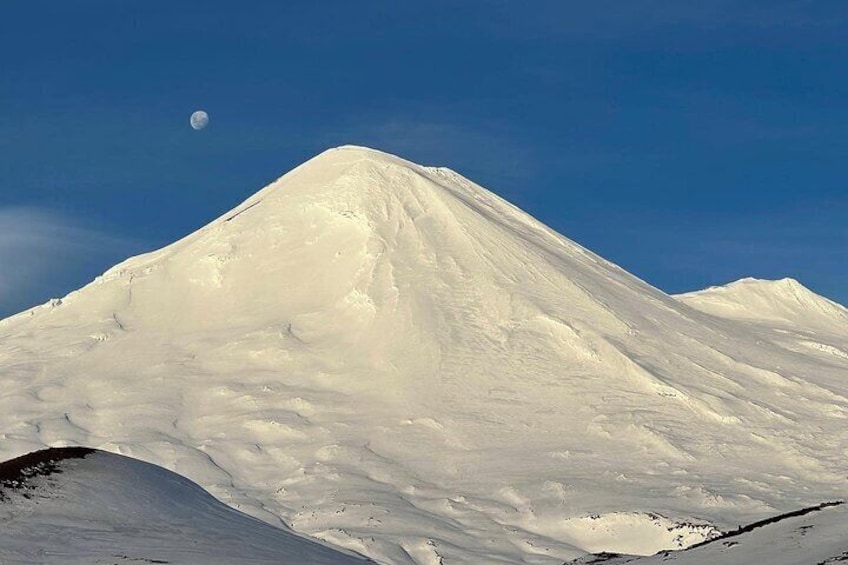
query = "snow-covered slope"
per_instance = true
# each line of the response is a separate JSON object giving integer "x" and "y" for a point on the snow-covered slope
{"x": 391, "y": 358}
{"x": 785, "y": 302}
{"x": 783, "y": 312}
{"x": 812, "y": 536}
{"x": 73, "y": 505}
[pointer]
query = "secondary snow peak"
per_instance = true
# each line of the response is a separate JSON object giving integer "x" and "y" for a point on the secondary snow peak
{"x": 784, "y": 302}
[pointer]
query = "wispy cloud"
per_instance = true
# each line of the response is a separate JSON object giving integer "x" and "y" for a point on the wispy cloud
{"x": 44, "y": 254}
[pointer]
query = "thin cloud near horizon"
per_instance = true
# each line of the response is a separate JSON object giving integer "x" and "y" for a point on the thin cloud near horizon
{"x": 42, "y": 250}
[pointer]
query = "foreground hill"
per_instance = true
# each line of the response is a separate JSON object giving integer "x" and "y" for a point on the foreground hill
{"x": 391, "y": 358}
{"x": 76, "y": 505}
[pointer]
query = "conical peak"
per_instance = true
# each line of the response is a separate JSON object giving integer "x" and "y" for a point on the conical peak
{"x": 361, "y": 152}
{"x": 356, "y": 225}
{"x": 346, "y": 155}
{"x": 338, "y": 175}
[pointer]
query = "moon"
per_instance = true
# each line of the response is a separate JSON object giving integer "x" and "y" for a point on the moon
{"x": 199, "y": 120}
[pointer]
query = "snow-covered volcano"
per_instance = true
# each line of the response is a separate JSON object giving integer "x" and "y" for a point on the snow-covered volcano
{"x": 391, "y": 358}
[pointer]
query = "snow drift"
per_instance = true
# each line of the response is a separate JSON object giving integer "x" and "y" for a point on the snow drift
{"x": 391, "y": 358}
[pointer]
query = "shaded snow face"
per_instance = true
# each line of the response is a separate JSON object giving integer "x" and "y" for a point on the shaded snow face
{"x": 392, "y": 358}
{"x": 83, "y": 506}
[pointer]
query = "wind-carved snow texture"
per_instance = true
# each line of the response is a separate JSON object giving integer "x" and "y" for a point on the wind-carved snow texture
{"x": 74, "y": 505}
{"x": 393, "y": 359}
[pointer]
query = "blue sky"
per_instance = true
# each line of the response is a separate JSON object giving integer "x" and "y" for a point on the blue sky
{"x": 691, "y": 143}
